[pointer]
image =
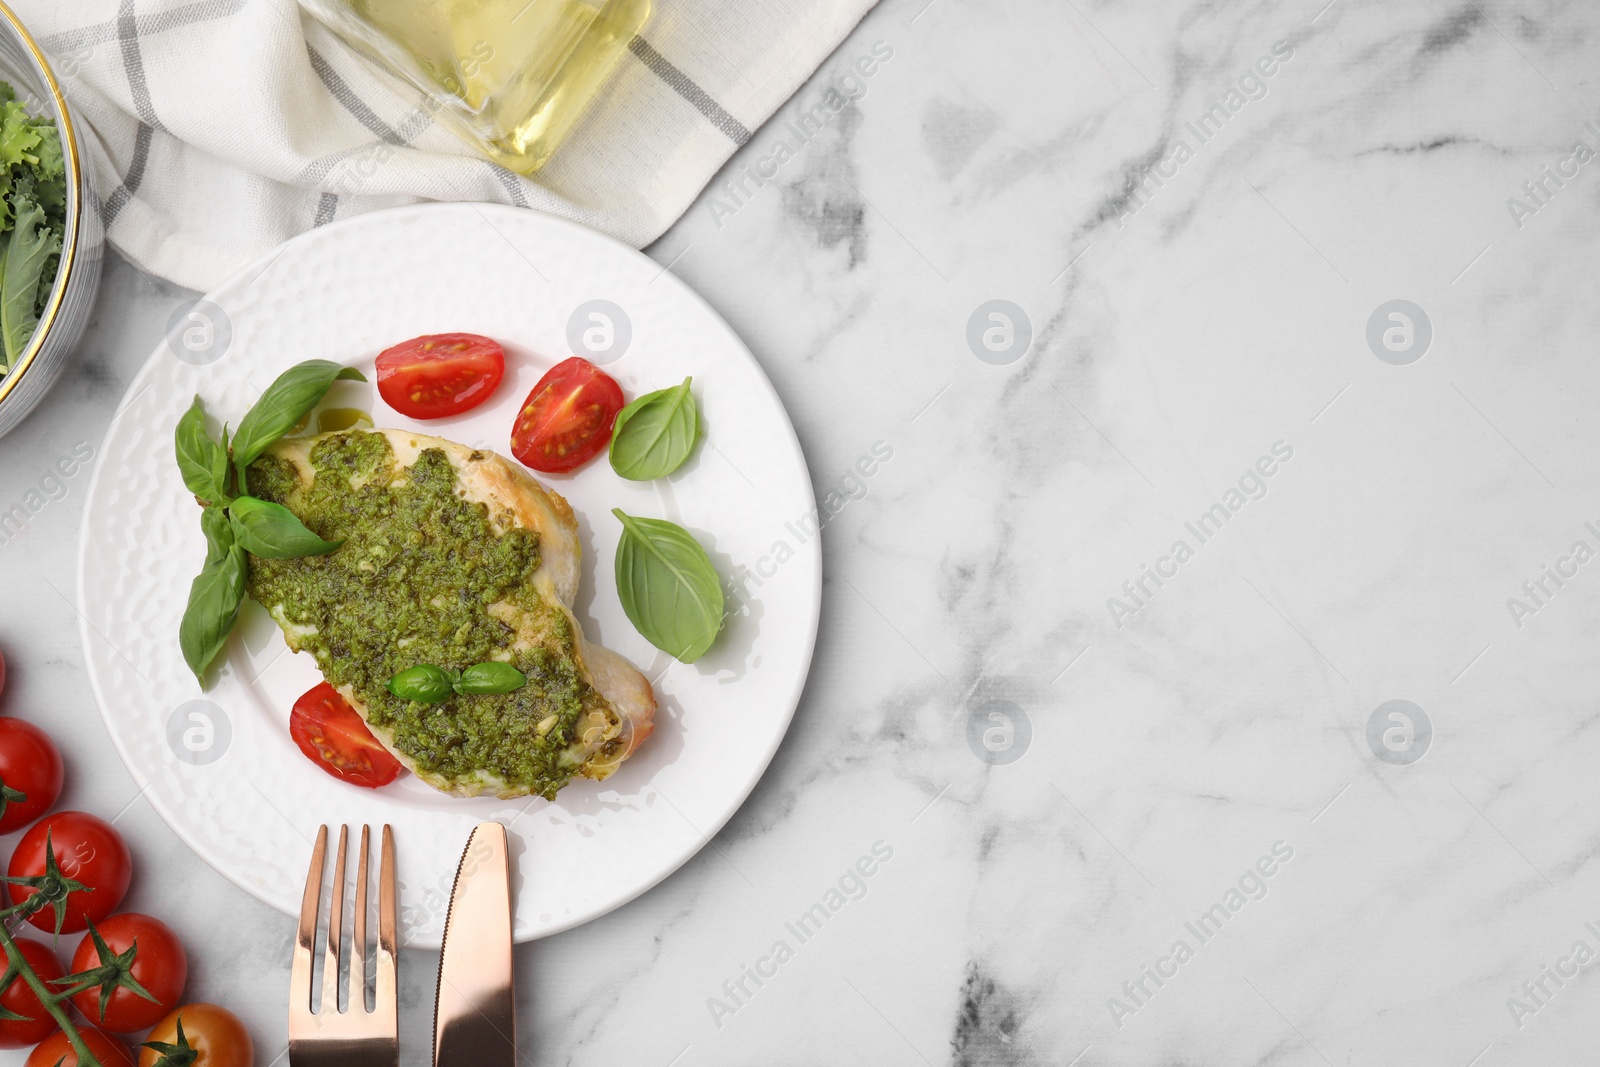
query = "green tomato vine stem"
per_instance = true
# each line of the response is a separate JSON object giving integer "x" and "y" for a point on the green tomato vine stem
{"x": 51, "y": 999}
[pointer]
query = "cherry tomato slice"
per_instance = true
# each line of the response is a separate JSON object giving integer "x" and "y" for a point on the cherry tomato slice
{"x": 440, "y": 374}
{"x": 88, "y": 850}
{"x": 19, "y": 997}
{"x": 567, "y": 419}
{"x": 215, "y": 1034}
{"x": 30, "y": 764}
{"x": 160, "y": 965}
{"x": 57, "y": 1049}
{"x": 332, "y": 736}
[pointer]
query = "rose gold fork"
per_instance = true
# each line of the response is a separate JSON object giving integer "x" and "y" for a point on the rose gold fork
{"x": 354, "y": 1037}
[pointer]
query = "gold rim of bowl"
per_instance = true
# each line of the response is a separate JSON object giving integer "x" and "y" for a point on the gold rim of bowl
{"x": 69, "y": 243}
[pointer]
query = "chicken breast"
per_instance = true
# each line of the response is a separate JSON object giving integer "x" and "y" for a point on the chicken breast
{"x": 450, "y": 556}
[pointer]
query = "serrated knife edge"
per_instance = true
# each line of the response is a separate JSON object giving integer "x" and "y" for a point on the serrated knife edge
{"x": 475, "y": 1003}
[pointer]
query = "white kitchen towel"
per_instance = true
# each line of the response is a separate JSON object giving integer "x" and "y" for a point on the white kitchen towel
{"x": 220, "y": 128}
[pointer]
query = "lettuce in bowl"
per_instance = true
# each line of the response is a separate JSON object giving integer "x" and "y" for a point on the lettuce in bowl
{"x": 33, "y": 218}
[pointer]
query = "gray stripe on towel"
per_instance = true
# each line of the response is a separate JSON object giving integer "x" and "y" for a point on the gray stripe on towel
{"x": 352, "y": 103}
{"x": 327, "y": 208}
{"x": 160, "y": 22}
{"x": 512, "y": 184}
{"x": 123, "y": 193}
{"x": 133, "y": 63}
{"x": 686, "y": 87}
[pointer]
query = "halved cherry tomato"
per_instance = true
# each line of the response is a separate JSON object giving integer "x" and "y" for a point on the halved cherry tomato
{"x": 19, "y": 997}
{"x": 58, "y": 1050}
{"x": 30, "y": 765}
{"x": 215, "y": 1034}
{"x": 89, "y": 851}
{"x": 440, "y": 374}
{"x": 332, "y": 736}
{"x": 159, "y": 965}
{"x": 567, "y": 419}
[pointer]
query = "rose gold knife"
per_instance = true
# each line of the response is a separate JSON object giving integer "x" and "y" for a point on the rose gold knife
{"x": 474, "y": 1022}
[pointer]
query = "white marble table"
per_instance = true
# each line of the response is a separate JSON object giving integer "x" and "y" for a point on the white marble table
{"x": 1180, "y": 736}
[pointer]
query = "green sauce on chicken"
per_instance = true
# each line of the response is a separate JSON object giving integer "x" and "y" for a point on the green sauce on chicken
{"x": 425, "y": 576}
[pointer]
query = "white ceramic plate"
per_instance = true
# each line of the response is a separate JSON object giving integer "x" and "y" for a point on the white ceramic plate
{"x": 224, "y": 773}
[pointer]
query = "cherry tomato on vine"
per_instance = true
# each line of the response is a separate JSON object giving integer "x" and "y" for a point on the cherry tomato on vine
{"x": 30, "y": 773}
{"x": 440, "y": 374}
{"x": 159, "y": 964}
{"x": 215, "y": 1034}
{"x": 19, "y": 997}
{"x": 88, "y": 850}
{"x": 334, "y": 737}
{"x": 107, "y": 1049}
{"x": 567, "y": 419}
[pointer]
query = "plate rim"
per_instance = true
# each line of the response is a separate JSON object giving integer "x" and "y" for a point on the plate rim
{"x": 244, "y": 277}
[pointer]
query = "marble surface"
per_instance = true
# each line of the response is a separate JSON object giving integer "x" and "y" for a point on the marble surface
{"x": 1208, "y": 761}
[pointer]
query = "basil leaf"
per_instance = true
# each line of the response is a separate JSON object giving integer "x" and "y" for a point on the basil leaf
{"x": 272, "y": 531}
{"x": 214, "y": 599}
{"x": 486, "y": 679}
{"x": 286, "y": 401}
{"x": 655, "y": 434}
{"x": 226, "y": 447}
{"x": 219, "y": 532}
{"x": 668, "y": 587}
{"x": 201, "y": 461}
{"x": 424, "y": 684}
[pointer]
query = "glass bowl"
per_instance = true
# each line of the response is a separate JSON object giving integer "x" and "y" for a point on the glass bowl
{"x": 71, "y": 301}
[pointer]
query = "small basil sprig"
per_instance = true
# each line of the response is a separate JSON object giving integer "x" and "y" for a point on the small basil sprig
{"x": 655, "y": 435}
{"x": 235, "y": 523}
{"x": 668, "y": 587}
{"x": 427, "y": 684}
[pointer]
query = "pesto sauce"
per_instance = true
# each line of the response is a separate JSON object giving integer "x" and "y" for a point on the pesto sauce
{"x": 411, "y": 585}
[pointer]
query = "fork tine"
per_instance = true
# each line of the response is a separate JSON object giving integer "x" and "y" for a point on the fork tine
{"x": 354, "y": 1037}
{"x": 357, "y": 996}
{"x": 330, "y": 956}
{"x": 386, "y": 1003}
{"x": 300, "y": 970}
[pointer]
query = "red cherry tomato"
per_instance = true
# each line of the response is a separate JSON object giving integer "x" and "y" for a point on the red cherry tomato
{"x": 88, "y": 850}
{"x": 30, "y": 764}
{"x": 107, "y": 1049}
{"x": 20, "y": 998}
{"x": 332, "y": 736}
{"x": 159, "y": 964}
{"x": 440, "y": 374}
{"x": 567, "y": 419}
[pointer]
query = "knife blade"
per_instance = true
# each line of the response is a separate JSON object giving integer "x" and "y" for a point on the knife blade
{"x": 474, "y": 1021}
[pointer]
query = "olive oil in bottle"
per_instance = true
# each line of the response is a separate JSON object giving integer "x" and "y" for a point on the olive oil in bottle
{"x": 514, "y": 76}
